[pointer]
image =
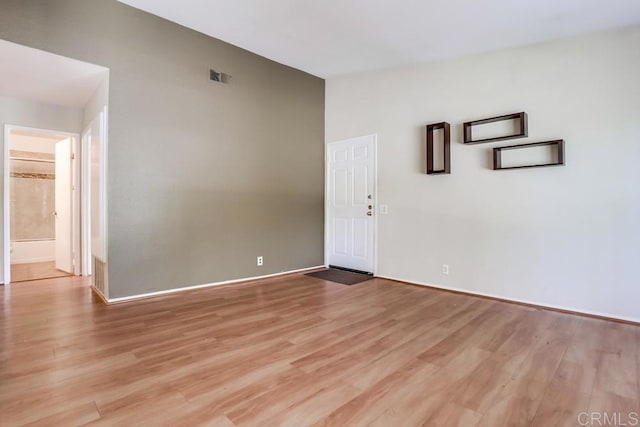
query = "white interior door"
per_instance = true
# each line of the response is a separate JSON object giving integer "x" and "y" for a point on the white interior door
{"x": 350, "y": 203}
{"x": 63, "y": 203}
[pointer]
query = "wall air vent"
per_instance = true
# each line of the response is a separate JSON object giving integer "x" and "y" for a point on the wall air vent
{"x": 99, "y": 276}
{"x": 219, "y": 77}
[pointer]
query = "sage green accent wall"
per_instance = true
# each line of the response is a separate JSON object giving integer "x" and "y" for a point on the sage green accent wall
{"x": 202, "y": 177}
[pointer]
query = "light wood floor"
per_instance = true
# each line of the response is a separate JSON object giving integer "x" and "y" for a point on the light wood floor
{"x": 35, "y": 271}
{"x": 299, "y": 351}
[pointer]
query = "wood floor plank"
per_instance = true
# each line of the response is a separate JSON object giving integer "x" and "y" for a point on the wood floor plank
{"x": 453, "y": 415}
{"x": 379, "y": 368}
{"x": 603, "y": 402}
{"x": 618, "y": 365}
{"x": 568, "y": 392}
{"x": 231, "y": 395}
{"x": 315, "y": 407}
{"x": 421, "y": 402}
{"x": 277, "y": 399}
{"x": 482, "y": 387}
{"x": 615, "y": 390}
{"x": 586, "y": 345}
{"x": 534, "y": 329}
{"x": 311, "y": 362}
{"x": 519, "y": 400}
{"x": 638, "y": 360}
{"x": 35, "y": 271}
{"x": 300, "y": 351}
{"x": 155, "y": 410}
{"x": 79, "y": 415}
{"x": 359, "y": 409}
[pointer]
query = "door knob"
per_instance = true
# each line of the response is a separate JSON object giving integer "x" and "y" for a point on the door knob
{"x": 370, "y": 213}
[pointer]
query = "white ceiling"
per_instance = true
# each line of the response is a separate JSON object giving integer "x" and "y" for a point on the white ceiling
{"x": 44, "y": 77}
{"x": 333, "y": 37}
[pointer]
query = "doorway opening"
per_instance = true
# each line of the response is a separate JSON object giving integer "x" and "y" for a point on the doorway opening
{"x": 54, "y": 149}
{"x": 42, "y": 204}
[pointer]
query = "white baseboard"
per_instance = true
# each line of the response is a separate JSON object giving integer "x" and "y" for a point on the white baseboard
{"x": 207, "y": 285}
{"x": 33, "y": 260}
{"x": 100, "y": 294}
{"x": 520, "y": 301}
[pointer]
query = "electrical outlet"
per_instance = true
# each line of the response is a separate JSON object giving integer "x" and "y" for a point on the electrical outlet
{"x": 384, "y": 209}
{"x": 445, "y": 268}
{"x": 260, "y": 261}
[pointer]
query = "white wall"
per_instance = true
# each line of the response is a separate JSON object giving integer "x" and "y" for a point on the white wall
{"x": 97, "y": 187}
{"x": 95, "y": 121}
{"x": 95, "y": 126}
{"x": 561, "y": 236}
{"x": 33, "y": 144}
{"x": 35, "y": 251}
{"x": 97, "y": 102}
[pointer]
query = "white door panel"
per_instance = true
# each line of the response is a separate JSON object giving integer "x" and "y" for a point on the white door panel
{"x": 360, "y": 234}
{"x": 341, "y": 236}
{"x": 340, "y": 193}
{"x": 340, "y": 155}
{"x": 63, "y": 204}
{"x": 351, "y": 188}
{"x": 360, "y": 185}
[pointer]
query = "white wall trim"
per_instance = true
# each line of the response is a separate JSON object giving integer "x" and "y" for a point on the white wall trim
{"x": 85, "y": 205}
{"x": 34, "y": 260}
{"x": 207, "y": 285}
{"x": 103, "y": 194}
{"x": 100, "y": 294}
{"x": 515, "y": 300}
{"x": 6, "y": 240}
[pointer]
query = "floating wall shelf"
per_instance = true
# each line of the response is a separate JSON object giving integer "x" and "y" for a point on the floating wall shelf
{"x": 446, "y": 151}
{"x": 558, "y": 144}
{"x": 522, "y": 133}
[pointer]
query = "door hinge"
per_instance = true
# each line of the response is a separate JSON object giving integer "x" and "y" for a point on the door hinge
{"x": 73, "y": 156}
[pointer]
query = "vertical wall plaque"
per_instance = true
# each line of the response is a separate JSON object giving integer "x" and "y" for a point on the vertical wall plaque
{"x": 446, "y": 150}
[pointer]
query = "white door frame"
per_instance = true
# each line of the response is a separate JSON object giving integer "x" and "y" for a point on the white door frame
{"x": 85, "y": 206}
{"x": 77, "y": 230}
{"x": 327, "y": 197}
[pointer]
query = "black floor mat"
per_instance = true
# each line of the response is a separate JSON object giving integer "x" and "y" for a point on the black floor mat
{"x": 341, "y": 276}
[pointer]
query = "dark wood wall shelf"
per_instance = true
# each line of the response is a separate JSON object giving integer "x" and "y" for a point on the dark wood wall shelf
{"x": 559, "y": 144}
{"x": 446, "y": 151}
{"x": 521, "y": 117}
